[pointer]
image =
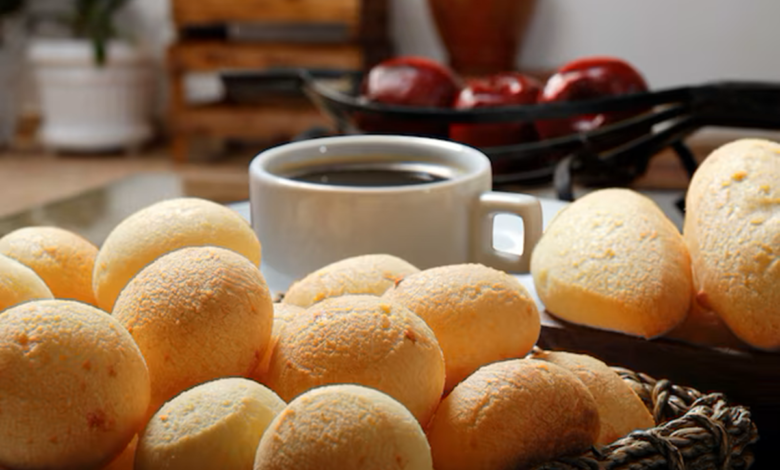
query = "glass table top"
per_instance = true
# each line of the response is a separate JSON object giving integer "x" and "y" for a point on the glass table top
{"x": 94, "y": 213}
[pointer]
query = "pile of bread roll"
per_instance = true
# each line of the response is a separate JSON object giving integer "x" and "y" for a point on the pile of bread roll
{"x": 613, "y": 260}
{"x": 163, "y": 348}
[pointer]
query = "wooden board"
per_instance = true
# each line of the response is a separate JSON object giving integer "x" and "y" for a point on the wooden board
{"x": 750, "y": 378}
{"x": 211, "y": 56}
{"x": 221, "y": 11}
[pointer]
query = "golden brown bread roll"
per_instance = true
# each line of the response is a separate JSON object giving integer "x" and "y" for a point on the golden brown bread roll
{"x": 478, "y": 314}
{"x": 125, "y": 460}
{"x": 359, "y": 339}
{"x": 283, "y": 315}
{"x": 161, "y": 228}
{"x": 703, "y": 327}
{"x": 74, "y": 387}
{"x": 343, "y": 427}
{"x": 63, "y": 259}
{"x": 19, "y": 284}
{"x": 620, "y": 409}
{"x": 613, "y": 260}
{"x": 216, "y": 425}
{"x": 732, "y": 229}
{"x": 197, "y": 314}
{"x": 513, "y": 414}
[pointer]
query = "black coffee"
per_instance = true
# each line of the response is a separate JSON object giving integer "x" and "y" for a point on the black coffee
{"x": 375, "y": 174}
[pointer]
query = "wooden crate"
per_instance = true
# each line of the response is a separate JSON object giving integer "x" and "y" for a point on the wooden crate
{"x": 272, "y": 120}
{"x": 225, "y": 11}
{"x": 367, "y": 43}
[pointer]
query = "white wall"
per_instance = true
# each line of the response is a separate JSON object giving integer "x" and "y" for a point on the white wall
{"x": 671, "y": 41}
{"x": 151, "y": 22}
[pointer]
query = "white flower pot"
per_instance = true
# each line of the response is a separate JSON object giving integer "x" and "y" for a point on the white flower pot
{"x": 88, "y": 108}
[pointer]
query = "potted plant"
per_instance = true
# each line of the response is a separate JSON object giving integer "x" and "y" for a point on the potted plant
{"x": 11, "y": 39}
{"x": 95, "y": 87}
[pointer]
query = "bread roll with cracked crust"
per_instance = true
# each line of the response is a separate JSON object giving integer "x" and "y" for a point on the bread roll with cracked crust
{"x": 620, "y": 409}
{"x": 513, "y": 414}
{"x": 732, "y": 229}
{"x": 613, "y": 260}
{"x": 368, "y": 274}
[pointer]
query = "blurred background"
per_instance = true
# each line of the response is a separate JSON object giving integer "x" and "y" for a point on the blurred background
{"x": 95, "y": 91}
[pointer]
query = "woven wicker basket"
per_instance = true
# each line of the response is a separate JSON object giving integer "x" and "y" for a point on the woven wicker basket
{"x": 694, "y": 432}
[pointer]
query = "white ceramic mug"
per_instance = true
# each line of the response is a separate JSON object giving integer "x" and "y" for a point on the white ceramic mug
{"x": 304, "y": 226}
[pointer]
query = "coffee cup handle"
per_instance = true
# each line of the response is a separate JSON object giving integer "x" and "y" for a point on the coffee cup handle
{"x": 493, "y": 203}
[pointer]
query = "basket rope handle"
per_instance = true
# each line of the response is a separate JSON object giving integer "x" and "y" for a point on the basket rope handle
{"x": 694, "y": 432}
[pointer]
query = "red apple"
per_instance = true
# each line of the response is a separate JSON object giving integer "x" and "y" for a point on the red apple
{"x": 503, "y": 89}
{"x": 411, "y": 81}
{"x": 408, "y": 81}
{"x": 589, "y": 78}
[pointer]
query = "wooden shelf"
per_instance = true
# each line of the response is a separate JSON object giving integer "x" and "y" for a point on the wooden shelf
{"x": 278, "y": 119}
{"x": 210, "y": 56}
{"x": 220, "y": 11}
{"x": 367, "y": 43}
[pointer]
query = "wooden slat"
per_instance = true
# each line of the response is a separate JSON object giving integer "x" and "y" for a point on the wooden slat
{"x": 180, "y": 145}
{"x": 266, "y": 122}
{"x": 210, "y": 56}
{"x": 375, "y": 22}
{"x": 216, "y": 11}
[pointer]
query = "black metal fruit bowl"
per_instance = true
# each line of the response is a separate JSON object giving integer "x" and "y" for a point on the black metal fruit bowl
{"x": 611, "y": 155}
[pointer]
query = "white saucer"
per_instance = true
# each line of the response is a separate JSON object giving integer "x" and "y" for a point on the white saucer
{"x": 507, "y": 236}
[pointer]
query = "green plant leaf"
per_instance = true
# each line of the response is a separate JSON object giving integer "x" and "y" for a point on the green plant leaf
{"x": 95, "y": 21}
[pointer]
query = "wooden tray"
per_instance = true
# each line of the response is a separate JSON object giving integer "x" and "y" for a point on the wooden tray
{"x": 750, "y": 378}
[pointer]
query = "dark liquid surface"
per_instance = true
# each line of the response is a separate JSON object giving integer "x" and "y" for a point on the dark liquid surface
{"x": 373, "y": 176}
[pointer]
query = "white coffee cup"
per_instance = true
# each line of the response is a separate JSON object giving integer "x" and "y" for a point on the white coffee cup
{"x": 304, "y": 226}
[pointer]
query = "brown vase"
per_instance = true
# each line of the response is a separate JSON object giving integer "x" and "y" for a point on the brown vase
{"x": 481, "y": 36}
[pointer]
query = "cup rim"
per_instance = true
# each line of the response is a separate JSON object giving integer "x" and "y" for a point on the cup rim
{"x": 480, "y": 162}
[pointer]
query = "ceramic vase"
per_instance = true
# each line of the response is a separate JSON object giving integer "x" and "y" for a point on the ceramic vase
{"x": 481, "y": 36}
